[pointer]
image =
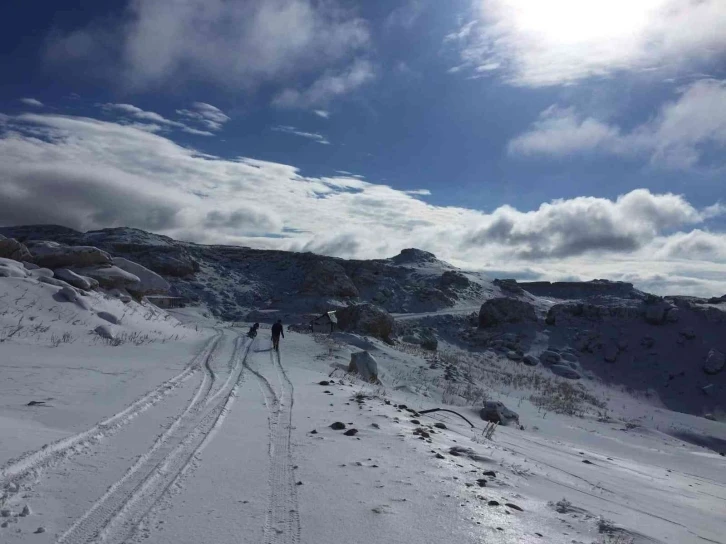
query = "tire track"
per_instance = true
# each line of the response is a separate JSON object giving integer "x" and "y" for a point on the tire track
{"x": 282, "y": 524}
{"x": 32, "y": 463}
{"x": 115, "y": 516}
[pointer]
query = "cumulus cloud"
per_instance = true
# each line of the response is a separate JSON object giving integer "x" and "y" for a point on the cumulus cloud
{"x": 86, "y": 174}
{"x": 330, "y": 85}
{"x": 677, "y": 137}
{"x": 557, "y": 42}
{"x": 32, "y": 102}
{"x": 229, "y": 43}
{"x": 319, "y": 138}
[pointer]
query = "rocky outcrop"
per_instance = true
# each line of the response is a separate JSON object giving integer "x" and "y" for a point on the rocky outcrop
{"x": 364, "y": 365}
{"x": 74, "y": 279}
{"x": 497, "y": 311}
{"x": 453, "y": 279}
{"x": 413, "y": 256}
{"x": 111, "y": 277}
{"x": 366, "y": 319}
{"x": 328, "y": 279}
{"x": 10, "y": 248}
{"x": 496, "y": 412}
{"x": 53, "y": 255}
{"x": 715, "y": 362}
{"x": 150, "y": 283}
{"x": 581, "y": 289}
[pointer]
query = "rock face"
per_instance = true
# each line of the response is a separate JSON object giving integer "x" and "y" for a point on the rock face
{"x": 10, "y": 248}
{"x": 496, "y": 412}
{"x": 414, "y": 256}
{"x": 715, "y": 362}
{"x": 569, "y": 290}
{"x": 497, "y": 311}
{"x": 328, "y": 278}
{"x": 366, "y": 319}
{"x": 363, "y": 364}
{"x": 54, "y": 255}
{"x": 150, "y": 283}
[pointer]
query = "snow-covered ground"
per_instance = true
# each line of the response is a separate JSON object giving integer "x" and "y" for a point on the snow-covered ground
{"x": 200, "y": 435}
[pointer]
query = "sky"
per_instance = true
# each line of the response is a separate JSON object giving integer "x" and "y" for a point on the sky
{"x": 558, "y": 140}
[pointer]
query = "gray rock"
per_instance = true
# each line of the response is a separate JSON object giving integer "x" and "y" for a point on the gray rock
{"x": 365, "y": 365}
{"x": 111, "y": 277}
{"x": 498, "y": 413}
{"x": 715, "y": 362}
{"x": 10, "y": 248}
{"x": 108, "y": 316}
{"x": 565, "y": 372}
{"x": 514, "y": 356}
{"x": 570, "y": 357}
{"x": 73, "y": 279}
{"x": 55, "y": 255}
{"x": 549, "y": 357}
{"x": 366, "y": 319}
{"x": 105, "y": 331}
{"x": 150, "y": 283}
{"x": 71, "y": 295}
{"x": 497, "y": 311}
{"x": 530, "y": 360}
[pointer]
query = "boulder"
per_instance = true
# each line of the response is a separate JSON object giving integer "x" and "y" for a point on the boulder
{"x": 569, "y": 357}
{"x": 73, "y": 279}
{"x": 497, "y": 311}
{"x": 715, "y": 362}
{"x": 108, "y": 316}
{"x": 566, "y": 371}
{"x": 530, "y": 360}
{"x": 10, "y": 268}
{"x": 71, "y": 295}
{"x": 429, "y": 340}
{"x": 366, "y": 319}
{"x": 55, "y": 255}
{"x": 514, "y": 356}
{"x": 110, "y": 277}
{"x": 550, "y": 357}
{"x": 10, "y": 248}
{"x": 610, "y": 352}
{"x": 150, "y": 283}
{"x": 496, "y": 412}
{"x": 363, "y": 364}
{"x": 120, "y": 294}
{"x": 105, "y": 331}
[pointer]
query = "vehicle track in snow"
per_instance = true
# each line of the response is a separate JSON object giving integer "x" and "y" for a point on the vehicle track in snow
{"x": 282, "y": 524}
{"x": 31, "y": 464}
{"x": 115, "y": 516}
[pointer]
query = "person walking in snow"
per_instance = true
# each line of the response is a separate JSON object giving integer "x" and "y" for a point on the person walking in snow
{"x": 276, "y": 333}
{"x": 253, "y": 330}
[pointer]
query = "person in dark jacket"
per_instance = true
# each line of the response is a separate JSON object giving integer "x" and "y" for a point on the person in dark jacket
{"x": 276, "y": 333}
{"x": 253, "y": 330}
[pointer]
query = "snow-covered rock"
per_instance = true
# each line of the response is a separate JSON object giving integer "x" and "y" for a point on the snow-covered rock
{"x": 10, "y": 248}
{"x": 715, "y": 362}
{"x": 108, "y": 316}
{"x": 366, "y": 319}
{"x": 150, "y": 283}
{"x": 54, "y": 255}
{"x": 356, "y": 340}
{"x": 497, "y": 311}
{"x": 69, "y": 294}
{"x": 550, "y": 357}
{"x": 530, "y": 360}
{"x": 566, "y": 371}
{"x": 74, "y": 279}
{"x": 110, "y": 277}
{"x": 365, "y": 365}
{"x": 105, "y": 331}
{"x": 496, "y": 412}
{"x": 10, "y": 268}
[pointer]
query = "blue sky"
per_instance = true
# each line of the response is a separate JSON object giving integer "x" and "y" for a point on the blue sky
{"x": 564, "y": 139}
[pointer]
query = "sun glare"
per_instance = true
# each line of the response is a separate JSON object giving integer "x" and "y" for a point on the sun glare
{"x": 563, "y": 22}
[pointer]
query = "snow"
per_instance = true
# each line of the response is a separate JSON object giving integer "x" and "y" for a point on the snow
{"x": 181, "y": 429}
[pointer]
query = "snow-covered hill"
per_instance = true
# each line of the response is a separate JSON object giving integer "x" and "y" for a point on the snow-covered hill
{"x": 124, "y": 422}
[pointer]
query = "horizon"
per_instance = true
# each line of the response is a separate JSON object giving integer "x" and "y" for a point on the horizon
{"x": 555, "y": 142}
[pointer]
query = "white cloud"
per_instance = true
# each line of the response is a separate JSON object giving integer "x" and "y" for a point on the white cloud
{"x": 230, "y": 43}
{"x": 563, "y": 41}
{"x": 329, "y": 86}
{"x": 87, "y": 174}
{"x": 322, "y": 113}
{"x": 677, "y": 137}
{"x": 405, "y": 15}
{"x": 319, "y": 138}
{"x": 210, "y": 116}
{"x": 32, "y": 102}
